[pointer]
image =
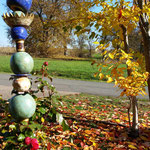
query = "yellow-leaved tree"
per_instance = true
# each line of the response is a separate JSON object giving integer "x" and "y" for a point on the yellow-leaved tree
{"x": 111, "y": 27}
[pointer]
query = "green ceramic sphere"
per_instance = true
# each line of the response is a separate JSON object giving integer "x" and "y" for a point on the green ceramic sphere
{"x": 21, "y": 63}
{"x": 22, "y": 106}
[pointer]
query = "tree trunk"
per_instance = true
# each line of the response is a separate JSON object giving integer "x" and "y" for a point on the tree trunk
{"x": 146, "y": 44}
{"x": 90, "y": 52}
{"x": 134, "y": 129}
{"x": 65, "y": 50}
{"x": 145, "y": 29}
{"x": 147, "y": 59}
{"x": 135, "y": 114}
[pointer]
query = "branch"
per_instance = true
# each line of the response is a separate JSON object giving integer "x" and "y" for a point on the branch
{"x": 94, "y": 121}
{"x": 144, "y": 32}
{"x": 142, "y": 21}
{"x": 140, "y": 3}
{"x": 125, "y": 38}
{"x": 129, "y": 113}
{"x": 126, "y": 43}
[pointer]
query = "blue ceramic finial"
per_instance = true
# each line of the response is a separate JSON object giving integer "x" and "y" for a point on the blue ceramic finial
{"x": 19, "y": 33}
{"x": 19, "y": 5}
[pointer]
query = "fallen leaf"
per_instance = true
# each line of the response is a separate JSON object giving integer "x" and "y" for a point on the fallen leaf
{"x": 132, "y": 146}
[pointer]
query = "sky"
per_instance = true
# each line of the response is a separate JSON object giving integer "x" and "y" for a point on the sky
{"x": 4, "y": 42}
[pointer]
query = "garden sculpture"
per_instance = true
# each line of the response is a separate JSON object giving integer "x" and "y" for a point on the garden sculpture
{"x": 22, "y": 106}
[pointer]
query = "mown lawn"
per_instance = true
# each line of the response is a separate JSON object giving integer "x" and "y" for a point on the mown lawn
{"x": 60, "y": 68}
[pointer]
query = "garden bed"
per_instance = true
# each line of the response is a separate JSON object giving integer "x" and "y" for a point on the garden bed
{"x": 95, "y": 123}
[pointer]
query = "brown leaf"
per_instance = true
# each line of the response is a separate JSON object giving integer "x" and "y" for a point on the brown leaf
{"x": 49, "y": 146}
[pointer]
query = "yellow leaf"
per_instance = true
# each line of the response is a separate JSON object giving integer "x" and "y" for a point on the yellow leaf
{"x": 94, "y": 144}
{"x": 116, "y": 82}
{"x": 146, "y": 74}
{"x": 144, "y": 92}
{"x": 95, "y": 42}
{"x": 104, "y": 52}
{"x": 117, "y": 120}
{"x": 128, "y": 62}
{"x": 111, "y": 55}
{"x": 121, "y": 78}
{"x": 101, "y": 76}
{"x": 144, "y": 125}
{"x": 111, "y": 67}
{"x": 107, "y": 45}
{"x": 42, "y": 120}
{"x": 109, "y": 80}
{"x": 132, "y": 146}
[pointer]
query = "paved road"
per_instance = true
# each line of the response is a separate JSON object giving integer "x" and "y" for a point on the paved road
{"x": 65, "y": 86}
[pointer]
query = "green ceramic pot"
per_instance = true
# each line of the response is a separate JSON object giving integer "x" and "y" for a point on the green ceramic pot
{"x": 21, "y": 63}
{"x": 22, "y": 106}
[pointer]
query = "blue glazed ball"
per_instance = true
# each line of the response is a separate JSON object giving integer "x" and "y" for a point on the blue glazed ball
{"x": 23, "y": 5}
{"x": 21, "y": 63}
{"x": 19, "y": 33}
{"x": 22, "y": 106}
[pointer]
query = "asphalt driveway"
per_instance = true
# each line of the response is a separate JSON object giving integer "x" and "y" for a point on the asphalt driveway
{"x": 65, "y": 86}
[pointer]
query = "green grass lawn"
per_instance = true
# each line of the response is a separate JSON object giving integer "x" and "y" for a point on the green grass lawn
{"x": 82, "y": 70}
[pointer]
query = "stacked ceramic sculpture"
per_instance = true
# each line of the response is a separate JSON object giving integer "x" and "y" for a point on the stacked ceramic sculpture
{"x": 22, "y": 106}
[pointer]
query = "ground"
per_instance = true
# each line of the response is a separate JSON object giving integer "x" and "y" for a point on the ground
{"x": 95, "y": 123}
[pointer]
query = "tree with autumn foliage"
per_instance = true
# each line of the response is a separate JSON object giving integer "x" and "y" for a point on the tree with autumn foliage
{"x": 48, "y": 34}
{"x": 46, "y": 38}
{"x": 118, "y": 20}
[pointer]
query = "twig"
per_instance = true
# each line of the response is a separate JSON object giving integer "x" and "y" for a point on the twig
{"x": 129, "y": 113}
{"x": 94, "y": 121}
